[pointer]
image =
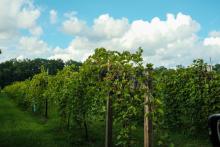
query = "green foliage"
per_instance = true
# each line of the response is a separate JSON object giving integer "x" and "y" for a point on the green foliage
{"x": 30, "y": 94}
{"x": 217, "y": 67}
{"x": 80, "y": 94}
{"x": 181, "y": 98}
{"x": 17, "y": 91}
{"x": 189, "y": 96}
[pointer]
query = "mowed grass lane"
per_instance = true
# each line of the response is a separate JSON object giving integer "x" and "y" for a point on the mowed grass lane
{"x": 19, "y": 129}
{"x": 22, "y": 129}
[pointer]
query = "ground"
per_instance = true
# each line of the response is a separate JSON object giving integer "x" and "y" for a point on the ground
{"x": 19, "y": 128}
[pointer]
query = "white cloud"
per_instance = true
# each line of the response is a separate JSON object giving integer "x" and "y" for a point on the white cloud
{"x": 108, "y": 27}
{"x": 212, "y": 41}
{"x": 53, "y": 16}
{"x": 33, "y": 45}
{"x": 27, "y": 47}
{"x": 211, "y": 47}
{"x": 159, "y": 34}
{"x": 73, "y": 26}
{"x": 214, "y": 34}
{"x": 17, "y": 16}
{"x": 212, "y": 44}
{"x": 21, "y": 57}
{"x": 26, "y": 17}
{"x": 36, "y": 31}
{"x": 79, "y": 49}
{"x": 165, "y": 42}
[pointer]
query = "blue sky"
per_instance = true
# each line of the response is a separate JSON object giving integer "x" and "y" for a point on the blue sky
{"x": 191, "y": 31}
{"x": 205, "y": 12}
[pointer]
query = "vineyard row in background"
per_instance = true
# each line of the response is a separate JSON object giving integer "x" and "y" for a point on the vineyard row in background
{"x": 180, "y": 98}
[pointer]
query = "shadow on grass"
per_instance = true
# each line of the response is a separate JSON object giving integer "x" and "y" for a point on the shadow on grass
{"x": 22, "y": 129}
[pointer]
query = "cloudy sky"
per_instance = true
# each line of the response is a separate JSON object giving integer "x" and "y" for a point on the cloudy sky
{"x": 170, "y": 32}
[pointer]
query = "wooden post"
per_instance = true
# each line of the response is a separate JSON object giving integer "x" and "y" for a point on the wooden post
{"x": 148, "y": 126}
{"x": 108, "y": 131}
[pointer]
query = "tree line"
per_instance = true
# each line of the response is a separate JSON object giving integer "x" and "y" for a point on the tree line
{"x": 20, "y": 70}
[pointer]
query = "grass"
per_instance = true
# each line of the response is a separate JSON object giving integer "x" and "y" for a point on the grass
{"x": 183, "y": 140}
{"x": 22, "y": 129}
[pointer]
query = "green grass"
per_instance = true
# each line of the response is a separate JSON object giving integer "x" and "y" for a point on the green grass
{"x": 22, "y": 129}
{"x": 181, "y": 140}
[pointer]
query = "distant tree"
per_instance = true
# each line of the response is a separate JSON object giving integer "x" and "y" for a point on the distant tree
{"x": 0, "y": 51}
{"x": 71, "y": 62}
{"x": 179, "y": 66}
{"x": 216, "y": 67}
{"x": 160, "y": 68}
{"x": 20, "y": 70}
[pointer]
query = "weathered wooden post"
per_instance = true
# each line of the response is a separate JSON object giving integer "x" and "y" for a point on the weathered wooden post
{"x": 148, "y": 126}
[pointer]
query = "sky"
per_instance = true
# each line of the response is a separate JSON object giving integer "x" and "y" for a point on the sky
{"x": 171, "y": 32}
